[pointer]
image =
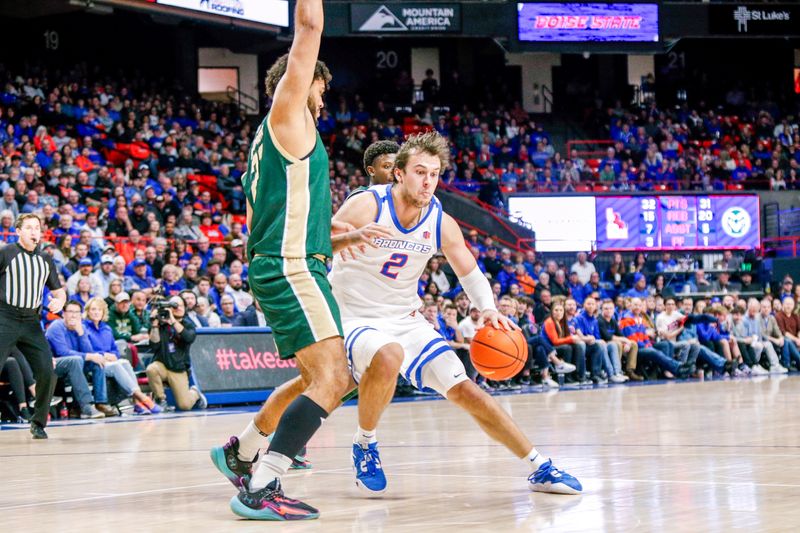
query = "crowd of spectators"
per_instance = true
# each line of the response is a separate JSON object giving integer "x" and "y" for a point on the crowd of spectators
{"x": 632, "y": 320}
{"x": 140, "y": 194}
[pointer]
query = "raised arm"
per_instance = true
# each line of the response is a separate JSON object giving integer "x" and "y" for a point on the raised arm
{"x": 291, "y": 95}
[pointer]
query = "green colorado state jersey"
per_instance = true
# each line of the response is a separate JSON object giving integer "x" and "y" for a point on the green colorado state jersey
{"x": 290, "y": 199}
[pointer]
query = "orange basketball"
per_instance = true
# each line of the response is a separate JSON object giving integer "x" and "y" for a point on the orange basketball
{"x": 498, "y": 354}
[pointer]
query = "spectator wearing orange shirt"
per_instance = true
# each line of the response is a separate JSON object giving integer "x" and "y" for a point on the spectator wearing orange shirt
{"x": 210, "y": 229}
{"x": 526, "y": 283}
{"x": 555, "y": 327}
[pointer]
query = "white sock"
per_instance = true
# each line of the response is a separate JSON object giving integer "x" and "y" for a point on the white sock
{"x": 251, "y": 441}
{"x": 364, "y": 438}
{"x": 272, "y": 465}
{"x": 534, "y": 459}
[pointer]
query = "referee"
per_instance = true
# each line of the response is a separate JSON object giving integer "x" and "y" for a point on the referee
{"x": 24, "y": 272}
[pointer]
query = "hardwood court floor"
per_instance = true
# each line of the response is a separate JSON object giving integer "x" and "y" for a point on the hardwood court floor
{"x": 712, "y": 456}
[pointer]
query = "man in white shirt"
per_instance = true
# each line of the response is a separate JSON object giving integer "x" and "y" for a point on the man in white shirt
{"x": 669, "y": 326}
{"x": 203, "y": 308}
{"x": 469, "y": 325}
{"x": 583, "y": 267}
{"x": 242, "y": 298}
{"x": 84, "y": 271}
{"x": 104, "y": 275}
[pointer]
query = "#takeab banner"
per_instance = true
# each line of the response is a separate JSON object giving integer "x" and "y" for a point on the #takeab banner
{"x": 239, "y": 359}
{"x": 405, "y": 17}
{"x": 274, "y": 12}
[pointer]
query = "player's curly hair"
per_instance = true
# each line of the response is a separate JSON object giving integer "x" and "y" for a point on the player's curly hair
{"x": 431, "y": 143}
{"x": 377, "y": 149}
{"x": 278, "y": 69}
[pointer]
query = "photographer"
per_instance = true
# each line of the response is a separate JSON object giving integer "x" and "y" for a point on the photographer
{"x": 171, "y": 337}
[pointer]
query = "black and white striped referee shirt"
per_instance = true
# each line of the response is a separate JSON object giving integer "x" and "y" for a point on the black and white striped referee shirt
{"x": 23, "y": 277}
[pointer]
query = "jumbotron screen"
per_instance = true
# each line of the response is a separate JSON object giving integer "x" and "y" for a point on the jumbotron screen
{"x": 588, "y": 22}
{"x": 627, "y": 223}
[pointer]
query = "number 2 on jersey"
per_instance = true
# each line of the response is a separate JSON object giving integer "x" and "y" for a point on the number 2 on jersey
{"x": 395, "y": 261}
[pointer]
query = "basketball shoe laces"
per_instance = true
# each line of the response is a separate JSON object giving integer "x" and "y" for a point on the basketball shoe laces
{"x": 550, "y": 471}
{"x": 370, "y": 463}
{"x": 267, "y": 493}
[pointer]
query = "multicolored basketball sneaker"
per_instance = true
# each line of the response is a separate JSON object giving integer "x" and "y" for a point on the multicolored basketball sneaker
{"x": 369, "y": 471}
{"x": 269, "y": 503}
{"x": 548, "y": 478}
{"x": 226, "y": 459}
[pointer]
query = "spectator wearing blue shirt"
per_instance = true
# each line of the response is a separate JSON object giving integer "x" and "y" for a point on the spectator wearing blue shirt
{"x": 33, "y": 202}
{"x": 689, "y": 335}
{"x": 611, "y": 159}
{"x": 140, "y": 280}
{"x": 101, "y": 339}
{"x": 588, "y": 330}
{"x": 74, "y": 356}
{"x": 667, "y": 263}
{"x": 699, "y": 283}
{"x": 507, "y": 276}
{"x": 639, "y": 289}
{"x": 576, "y": 288}
{"x": 594, "y": 286}
{"x": 714, "y": 335}
{"x": 219, "y": 289}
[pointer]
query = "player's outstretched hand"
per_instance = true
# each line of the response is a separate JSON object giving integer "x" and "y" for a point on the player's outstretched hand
{"x": 370, "y": 232}
{"x": 338, "y": 227}
{"x": 356, "y": 240}
{"x": 497, "y": 320}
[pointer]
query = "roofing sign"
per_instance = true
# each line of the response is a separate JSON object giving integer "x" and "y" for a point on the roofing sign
{"x": 405, "y": 17}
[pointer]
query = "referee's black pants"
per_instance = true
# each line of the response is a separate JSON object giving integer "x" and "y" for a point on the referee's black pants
{"x": 27, "y": 335}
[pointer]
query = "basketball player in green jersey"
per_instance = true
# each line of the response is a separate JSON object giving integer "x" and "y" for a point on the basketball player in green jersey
{"x": 289, "y": 218}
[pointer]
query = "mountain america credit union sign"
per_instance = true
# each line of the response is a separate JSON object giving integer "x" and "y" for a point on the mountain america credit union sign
{"x": 405, "y": 17}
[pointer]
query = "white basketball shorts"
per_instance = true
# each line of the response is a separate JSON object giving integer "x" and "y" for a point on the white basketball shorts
{"x": 428, "y": 362}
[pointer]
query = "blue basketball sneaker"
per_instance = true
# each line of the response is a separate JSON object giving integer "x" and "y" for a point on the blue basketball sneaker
{"x": 369, "y": 471}
{"x": 548, "y": 478}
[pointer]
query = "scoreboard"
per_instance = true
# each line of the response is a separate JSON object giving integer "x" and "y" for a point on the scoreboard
{"x": 677, "y": 222}
{"x": 650, "y": 222}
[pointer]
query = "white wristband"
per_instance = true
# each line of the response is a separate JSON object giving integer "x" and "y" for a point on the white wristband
{"x": 478, "y": 290}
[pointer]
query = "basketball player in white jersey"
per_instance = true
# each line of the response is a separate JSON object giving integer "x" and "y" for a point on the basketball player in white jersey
{"x": 385, "y": 334}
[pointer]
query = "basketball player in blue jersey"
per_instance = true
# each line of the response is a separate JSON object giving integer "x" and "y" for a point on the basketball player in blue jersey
{"x": 385, "y": 334}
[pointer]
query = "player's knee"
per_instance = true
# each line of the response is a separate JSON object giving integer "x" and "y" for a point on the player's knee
{"x": 386, "y": 363}
{"x": 335, "y": 379}
{"x": 465, "y": 392}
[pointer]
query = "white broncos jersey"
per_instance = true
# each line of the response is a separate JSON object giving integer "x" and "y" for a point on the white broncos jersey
{"x": 383, "y": 281}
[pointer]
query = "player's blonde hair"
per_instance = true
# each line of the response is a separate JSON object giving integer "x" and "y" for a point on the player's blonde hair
{"x": 431, "y": 143}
